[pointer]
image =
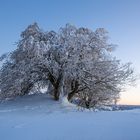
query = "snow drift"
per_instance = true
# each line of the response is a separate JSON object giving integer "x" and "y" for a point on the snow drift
{"x": 36, "y": 117}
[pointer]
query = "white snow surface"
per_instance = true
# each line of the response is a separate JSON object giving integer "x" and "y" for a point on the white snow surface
{"x": 36, "y": 117}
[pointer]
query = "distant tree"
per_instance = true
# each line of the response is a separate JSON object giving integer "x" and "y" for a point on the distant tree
{"x": 75, "y": 62}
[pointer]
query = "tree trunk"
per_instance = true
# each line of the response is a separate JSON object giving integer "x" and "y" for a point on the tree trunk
{"x": 57, "y": 86}
{"x": 50, "y": 88}
{"x": 26, "y": 88}
{"x": 70, "y": 95}
{"x": 74, "y": 88}
{"x": 56, "y": 93}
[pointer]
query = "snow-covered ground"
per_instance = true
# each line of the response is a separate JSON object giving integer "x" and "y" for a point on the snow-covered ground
{"x": 35, "y": 117}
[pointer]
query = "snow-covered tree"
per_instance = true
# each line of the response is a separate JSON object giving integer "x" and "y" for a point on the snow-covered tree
{"x": 16, "y": 74}
{"x": 74, "y": 62}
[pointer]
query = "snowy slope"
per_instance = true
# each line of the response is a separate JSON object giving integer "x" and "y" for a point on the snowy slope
{"x": 38, "y": 118}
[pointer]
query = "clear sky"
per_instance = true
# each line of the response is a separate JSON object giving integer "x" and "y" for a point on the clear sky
{"x": 120, "y": 17}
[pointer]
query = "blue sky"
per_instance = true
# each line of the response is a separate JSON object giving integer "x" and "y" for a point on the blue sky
{"x": 120, "y": 17}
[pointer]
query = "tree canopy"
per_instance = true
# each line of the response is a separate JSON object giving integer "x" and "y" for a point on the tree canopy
{"x": 73, "y": 62}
